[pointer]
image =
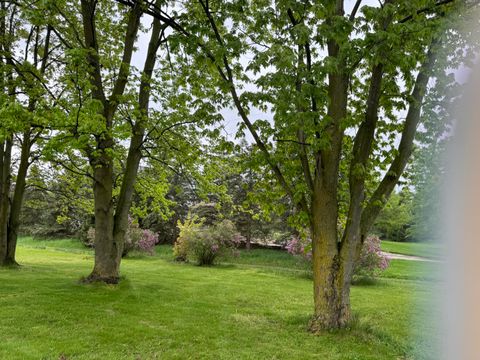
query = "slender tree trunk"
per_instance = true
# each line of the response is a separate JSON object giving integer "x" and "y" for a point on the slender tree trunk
{"x": 248, "y": 241}
{"x": 5, "y": 175}
{"x": 136, "y": 142}
{"x": 126, "y": 192}
{"x": 17, "y": 200}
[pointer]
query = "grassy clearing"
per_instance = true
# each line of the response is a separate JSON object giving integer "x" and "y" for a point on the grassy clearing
{"x": 253, "y": 307}
{"x": 70, "y": 245}
{"x": 429, "y": 250}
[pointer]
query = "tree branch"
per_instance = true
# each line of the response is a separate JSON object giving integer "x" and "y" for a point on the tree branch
{"x": 354, "y": 10}
{"x": 428, "y": 9}
{"x": 90, "y": 34}
{"x": 133, "y": 24}
{"x": 405, "y": 147}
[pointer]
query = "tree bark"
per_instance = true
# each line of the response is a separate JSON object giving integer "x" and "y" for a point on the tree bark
{"x": 5, "y": 162}
{"x": 17, "y": 200}
{"x": 107, "y": 263}
{"x": 331, "y": 274}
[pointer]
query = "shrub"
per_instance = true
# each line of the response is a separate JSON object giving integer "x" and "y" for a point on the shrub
{"x": 371, "y": 260}
{"x": 205, "y": 244}
{"x": 297, "y": 246}
{"x": 90, "y": 238}
{"x": 187, "y": 231}
{"x": 147, "y": 241}
{"x": 136, "y": 239}
{"x": 132, "y": 237}
{"x": 369, "y": 264}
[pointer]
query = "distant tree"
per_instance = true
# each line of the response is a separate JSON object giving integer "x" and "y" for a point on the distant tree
{"x": 396, "y": 218}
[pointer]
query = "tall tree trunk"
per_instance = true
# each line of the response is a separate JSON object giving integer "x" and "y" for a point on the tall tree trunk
{"x": 126, "y": 192}
{"x": 107, "y": 263}
{"x": 331, "y": 275}
{"x": 136, "y": 142}
{"x": 17, "y": 200}
{"x": 5, "y": 162}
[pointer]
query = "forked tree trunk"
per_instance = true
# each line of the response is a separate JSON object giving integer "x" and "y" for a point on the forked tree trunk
{"x": 111, "y": 221}
{"x": 333, "y": 266}
{"x": 332, "y": 280}
{"x": 107, "y": 260}
{"x": 331, "y": 293}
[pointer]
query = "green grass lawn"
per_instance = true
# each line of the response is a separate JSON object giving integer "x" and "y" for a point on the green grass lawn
{"x": 430, "y": 250}
{"x": 255, "y": 306}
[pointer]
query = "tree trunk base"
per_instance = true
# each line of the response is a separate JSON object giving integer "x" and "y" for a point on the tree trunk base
{"x": 9, "y": 263}
{"x": 321, "y": 323}
{"x": 96, "y": 278}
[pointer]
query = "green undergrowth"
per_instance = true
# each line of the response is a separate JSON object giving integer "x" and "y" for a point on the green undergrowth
{"x": 255, "y": 306}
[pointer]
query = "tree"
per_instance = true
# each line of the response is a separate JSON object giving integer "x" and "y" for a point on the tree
{"x": 343, "y": 90}
{"x": 107, "y": 116}
{"x": 22, "y": 113}
{"x": 396, "y": 217}
{"x": 99, "y": 42}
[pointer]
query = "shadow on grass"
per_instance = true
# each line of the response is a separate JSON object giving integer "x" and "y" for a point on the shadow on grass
{"x": 365, "y": 281}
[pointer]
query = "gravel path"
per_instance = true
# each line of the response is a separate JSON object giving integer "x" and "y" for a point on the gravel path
{"x": 409, "y": 257}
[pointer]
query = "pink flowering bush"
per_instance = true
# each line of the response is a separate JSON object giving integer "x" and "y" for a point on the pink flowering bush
{"x": 205, "y": 244}
{"x": 136, "y": 239}
{"x": 370, "y": 263}
{"x": 147, "y": 242}
{"x": 298, "y": 247}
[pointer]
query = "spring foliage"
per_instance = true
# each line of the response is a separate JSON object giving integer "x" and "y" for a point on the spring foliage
{"x": 204, "y": 244}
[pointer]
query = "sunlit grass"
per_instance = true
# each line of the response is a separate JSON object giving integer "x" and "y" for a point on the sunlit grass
{"x": 253, "y": 307}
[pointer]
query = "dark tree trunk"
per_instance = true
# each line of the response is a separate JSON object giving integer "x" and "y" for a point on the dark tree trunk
{"x": 17, "y": 200}
{"x": 248, "y": 241}
{"x": 5, "y": 183}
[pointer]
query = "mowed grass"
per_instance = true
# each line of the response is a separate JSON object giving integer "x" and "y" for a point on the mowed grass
{"x": 255, "y": 306}
{"x": 429, "y": 250}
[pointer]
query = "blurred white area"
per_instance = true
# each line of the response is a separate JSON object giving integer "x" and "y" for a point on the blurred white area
{"x": 461, "y": 215}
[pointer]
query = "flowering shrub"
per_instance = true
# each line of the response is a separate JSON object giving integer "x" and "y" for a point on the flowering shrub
{"x": 136, "y": 239}
{"x": 297, "y": 246}
{"x": 148, "y": 241}
{"x": 369, "y": 264}
{"x": 371, "y": 260}
{"x": 205, "y": 244}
